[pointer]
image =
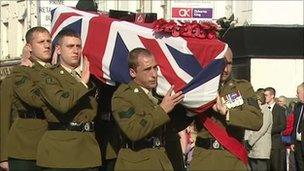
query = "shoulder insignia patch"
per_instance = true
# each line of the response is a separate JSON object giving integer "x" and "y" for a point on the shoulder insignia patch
{"x": 37, "y": 92}
{"x": 143, "y": 122}
{"x": 50, "y": 80}
{"x": 20, "y": 80}
{"x": 127, "y": 114}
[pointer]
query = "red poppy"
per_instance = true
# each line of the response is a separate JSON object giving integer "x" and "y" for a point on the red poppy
{"x": 204, "y": 30}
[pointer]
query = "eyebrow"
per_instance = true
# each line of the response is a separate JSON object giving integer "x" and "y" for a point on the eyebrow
{"x": 148, "y": 68}
{"x": 227, "y": 62}
{"x": 71, "y": 44}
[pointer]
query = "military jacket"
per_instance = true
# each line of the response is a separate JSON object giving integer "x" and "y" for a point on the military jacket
{"x": 18, "y": 97}
{"x": 67, "y": 100}
{"x": 6, "y": 95}
{"x": 138, "y": 117}
{"x": 241, "y": 117}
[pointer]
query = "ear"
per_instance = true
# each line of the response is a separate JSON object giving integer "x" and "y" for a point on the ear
{"x": 132, "y": 73}
{"x": 58, "y": 49}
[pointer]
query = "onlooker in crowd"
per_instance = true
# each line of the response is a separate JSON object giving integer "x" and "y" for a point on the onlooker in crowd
{"x": 292, "y": 104}
{"x": 258, "y": 142}
{"x": 282, "y": 101}
{"x": 18, "y": 98}
{"x": 187, "y": 143}
{"x": 209, "y": 153}
{"x": 298, "y": 145}
{"x": 140, "y": 117}
{"x": 69, "y": 143}
{"x": 277, "y": 155}
{"x": 286, "y": 134}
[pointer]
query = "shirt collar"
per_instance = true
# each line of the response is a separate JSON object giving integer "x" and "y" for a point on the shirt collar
{"x": 41, "y": 63}
{"x": 271, "y": 105}
{"x": 69, "y": 70}
{"x": 145, "y": 90}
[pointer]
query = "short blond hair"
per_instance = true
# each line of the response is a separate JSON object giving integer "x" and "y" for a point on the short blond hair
{"x": 301, "y": 86}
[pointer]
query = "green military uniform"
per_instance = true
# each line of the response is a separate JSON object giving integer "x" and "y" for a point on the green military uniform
{"x": 25, "y": 133}
{"x": 140, "y": 121}
{"x": 6, "y": 93}
{"x": 245, "y": 116}
{"x": 69, "y": 141}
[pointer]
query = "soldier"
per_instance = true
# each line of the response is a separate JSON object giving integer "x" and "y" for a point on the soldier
{"x": 235, "y": 111}
{"x": 69, "y": 142}
{"x": 18, "y": 99}
{"x": 140, "y": 118}
{"x": 87, "y": 5}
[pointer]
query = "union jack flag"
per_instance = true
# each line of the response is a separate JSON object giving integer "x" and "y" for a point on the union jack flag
{"x": 193, "y": 65}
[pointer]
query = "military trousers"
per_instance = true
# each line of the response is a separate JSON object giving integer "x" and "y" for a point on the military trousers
{"x": 24, "y": 165}
{"x": 147, "y": 159}
{"x": 207, "y": 159}
{"x": 69, "y": 169}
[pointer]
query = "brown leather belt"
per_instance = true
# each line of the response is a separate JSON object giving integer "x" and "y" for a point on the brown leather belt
{"x": 152, "y": 142}
{"x": 31, "y": 114}
{"x": 208, "y": 143}
{"x": 72, "y": 126}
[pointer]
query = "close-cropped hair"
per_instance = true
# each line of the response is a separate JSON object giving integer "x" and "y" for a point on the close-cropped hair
{"x": 134, "y": 54}
{"x": 66, "y": 33}
{"x": 29, "y": 34}
{"x": 271, "y": 90}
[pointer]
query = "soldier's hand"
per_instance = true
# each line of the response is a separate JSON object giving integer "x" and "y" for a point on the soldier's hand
{"x": 85, "y": 75}
{"x": 26, "y": 54}
{"x": 169, "y": 101}
{"x": 4, "y": 166}
{"x": 219, "y": 106}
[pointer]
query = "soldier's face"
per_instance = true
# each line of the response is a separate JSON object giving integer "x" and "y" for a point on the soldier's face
{"x": 146, "y": 72}
{"x": 40, "y": 46}
{"x": 70, "y": 51}
{"x": 228, "y": 66}
{"x": 300, "y": 94}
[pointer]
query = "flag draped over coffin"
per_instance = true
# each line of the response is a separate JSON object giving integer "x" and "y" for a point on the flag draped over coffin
{"x": 193, "y": 65}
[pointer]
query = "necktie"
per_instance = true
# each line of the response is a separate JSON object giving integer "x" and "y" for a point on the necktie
{"x": 300, "y": 119}
{"x": 269, "y": 108}
{"x": 47, "y": 65}
{"x": 152, "y": 98}
{"x": 75, "y": 75}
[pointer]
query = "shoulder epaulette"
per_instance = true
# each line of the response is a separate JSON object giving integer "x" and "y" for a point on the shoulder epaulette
{"x": 241, "y": 80}
{"x": 122, "y": 88}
